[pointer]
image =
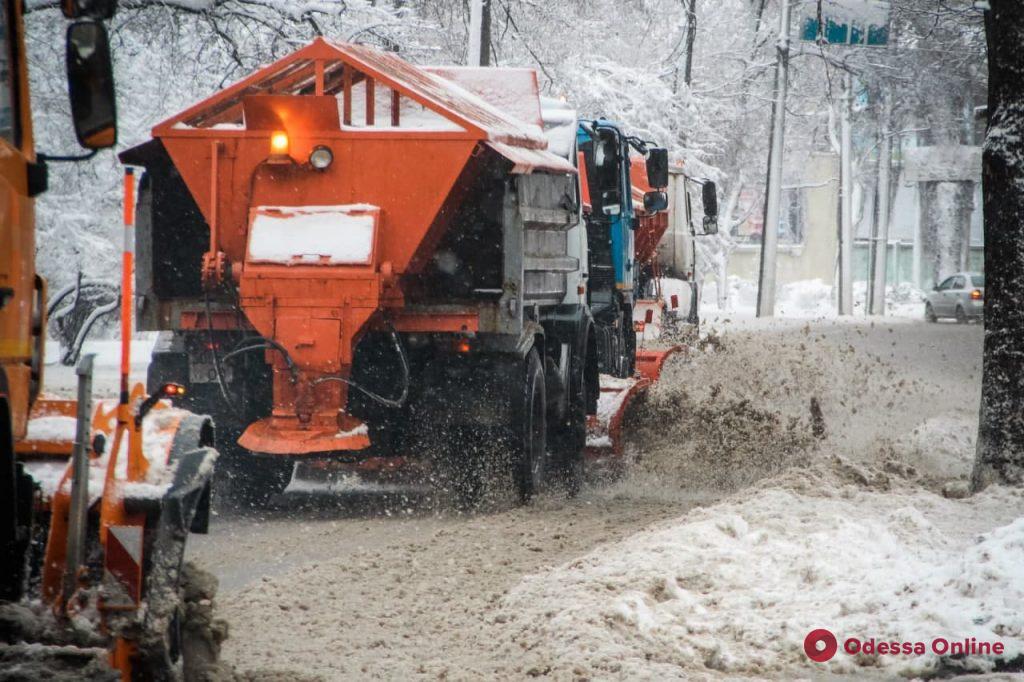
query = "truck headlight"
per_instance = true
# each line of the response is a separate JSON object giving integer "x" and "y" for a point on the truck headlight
{"x": 321, "y": 157}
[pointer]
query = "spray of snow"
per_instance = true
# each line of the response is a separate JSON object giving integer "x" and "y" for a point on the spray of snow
{"x": 849, "y": 514}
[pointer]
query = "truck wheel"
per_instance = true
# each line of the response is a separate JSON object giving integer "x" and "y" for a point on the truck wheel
{"x": 629, "y": 338}
{"x": 12, "y": 526}
{"x": 253, "y": 480}
{"x": 530, "y": 463}
{"x": 569, "y": 438}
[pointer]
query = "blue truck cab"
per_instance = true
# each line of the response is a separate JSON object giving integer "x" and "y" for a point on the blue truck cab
{"x": 610, "y": 217}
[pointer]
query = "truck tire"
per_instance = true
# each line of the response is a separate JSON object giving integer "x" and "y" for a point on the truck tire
{"x": 629, "y": 343}
{"x": 15, "y": 513}
{"x": 569, "y": 437}
{"x": 528, "y": 444}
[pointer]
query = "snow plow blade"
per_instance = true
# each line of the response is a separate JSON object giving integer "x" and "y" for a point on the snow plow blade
{"x": 604, "y": 430}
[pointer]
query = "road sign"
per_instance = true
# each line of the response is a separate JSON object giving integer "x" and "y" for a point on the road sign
{"x": 846, "y": 22}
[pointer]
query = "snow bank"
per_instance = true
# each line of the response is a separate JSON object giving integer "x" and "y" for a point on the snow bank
{"x": 844, "y": 464}
{"x": 735, "y": 588}
{"x": 812, "y": 299}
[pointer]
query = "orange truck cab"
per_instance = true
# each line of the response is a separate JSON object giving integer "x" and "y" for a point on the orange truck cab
{"x": 114, "y": 490}
{"x": 23, "y": 176}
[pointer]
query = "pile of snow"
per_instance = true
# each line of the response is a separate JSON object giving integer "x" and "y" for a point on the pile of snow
{"x": 735, "y": 588}
{"x": 808, "y": 298}
{"x": 51, "y": 427}
{"x": 811, "y": 299}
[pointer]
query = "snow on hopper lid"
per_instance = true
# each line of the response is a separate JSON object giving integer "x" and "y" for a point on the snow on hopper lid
{"x": 313, "y": 235}
{"x": 448, "y": 95}
{"x": 513, "y": 91}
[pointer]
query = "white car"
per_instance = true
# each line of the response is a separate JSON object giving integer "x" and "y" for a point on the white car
{"x": 960, "y": 296}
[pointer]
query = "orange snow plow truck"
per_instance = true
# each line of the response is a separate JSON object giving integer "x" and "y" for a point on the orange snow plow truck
{"x": 96, "y": 498}
{"x": 354, "y": 259}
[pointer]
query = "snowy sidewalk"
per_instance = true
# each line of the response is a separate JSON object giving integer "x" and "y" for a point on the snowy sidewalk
{"x": 736, "y": 587}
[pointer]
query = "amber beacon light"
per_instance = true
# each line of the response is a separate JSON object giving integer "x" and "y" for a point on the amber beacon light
{"x": 279, "y": 143}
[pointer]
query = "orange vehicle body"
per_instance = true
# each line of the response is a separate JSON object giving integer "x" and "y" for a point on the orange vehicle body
{"x": 22, "y": 291}
{"x": 651, "y": 227}
{"x": 243, "y": 155}
{"x": 38, "y": 432}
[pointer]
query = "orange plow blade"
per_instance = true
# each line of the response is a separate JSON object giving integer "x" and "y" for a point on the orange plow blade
{"x": 604, "y": 430}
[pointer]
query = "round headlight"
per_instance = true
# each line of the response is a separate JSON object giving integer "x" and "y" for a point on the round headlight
{"x": 321, "y": 157}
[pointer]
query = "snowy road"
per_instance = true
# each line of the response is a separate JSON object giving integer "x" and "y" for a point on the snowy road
{"x": 358, "y": 585}
{"x": 353, "y": 593}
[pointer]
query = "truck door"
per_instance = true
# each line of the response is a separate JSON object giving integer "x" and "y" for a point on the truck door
{"x": 20, "y": 290}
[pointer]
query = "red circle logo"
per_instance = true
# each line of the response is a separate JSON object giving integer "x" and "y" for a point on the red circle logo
{"x": 820, "y": 645}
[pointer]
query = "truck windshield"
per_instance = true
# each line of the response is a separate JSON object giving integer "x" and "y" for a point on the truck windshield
{"x": 8, "y": 74}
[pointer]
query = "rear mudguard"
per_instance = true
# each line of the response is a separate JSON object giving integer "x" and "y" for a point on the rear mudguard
{"x": 574, "y": 324}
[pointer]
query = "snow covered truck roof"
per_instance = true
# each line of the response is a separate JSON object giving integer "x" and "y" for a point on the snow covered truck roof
{"x": 497, "y": 106}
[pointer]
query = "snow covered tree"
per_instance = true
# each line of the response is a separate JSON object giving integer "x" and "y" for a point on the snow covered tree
{"x": 1000, "y": 456}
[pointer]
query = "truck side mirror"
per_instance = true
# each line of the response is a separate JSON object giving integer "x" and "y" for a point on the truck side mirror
{"x": 655, "y": 201}
{"x": 91, "y": 85}
{"x": 710, "y": 200}
{"x": 94, "y": 9}
{"x": 710, "y": 225}
{"x": 657, "y": 167}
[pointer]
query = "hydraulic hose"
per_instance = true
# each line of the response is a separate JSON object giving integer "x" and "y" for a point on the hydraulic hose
{"x": 261, "y": 343}
{"x": 406, "y": 374}
{"x": 216, "y": 360}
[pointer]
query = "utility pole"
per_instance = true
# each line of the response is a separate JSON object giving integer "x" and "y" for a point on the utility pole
{"x": 880, "y": 240}
{"x": 773, "y": 204}
{"x": 846, "y": 201}
{"x": 480, "y": 33}
{"x": 691, "y": 38}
